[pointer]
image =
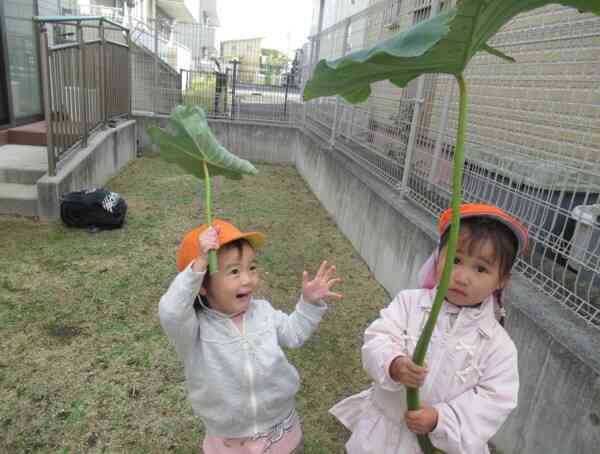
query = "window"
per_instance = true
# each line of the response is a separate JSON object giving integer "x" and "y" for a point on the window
{"x": 391, "y": 14}
{"x": 424, "y": 12}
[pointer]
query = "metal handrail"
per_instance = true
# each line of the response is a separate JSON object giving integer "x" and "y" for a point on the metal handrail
{"x": 77, "y": 19}
{"x": 81, "y": 89}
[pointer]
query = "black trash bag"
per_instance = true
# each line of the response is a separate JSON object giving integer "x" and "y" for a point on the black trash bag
{"x": 93, "y": 209}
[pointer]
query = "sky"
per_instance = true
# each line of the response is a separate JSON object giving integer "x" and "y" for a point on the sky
{"x": 285, "y": 24}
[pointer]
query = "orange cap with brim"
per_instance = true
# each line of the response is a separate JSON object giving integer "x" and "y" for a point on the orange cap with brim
{"x": 468, "y": 210}
{"x": 188, "y": 249}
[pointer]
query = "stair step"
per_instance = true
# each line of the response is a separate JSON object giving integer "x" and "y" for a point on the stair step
{"x": 31, "y": 134}
{"x": 22, "y": 164}
{"x": 18, "y": 199}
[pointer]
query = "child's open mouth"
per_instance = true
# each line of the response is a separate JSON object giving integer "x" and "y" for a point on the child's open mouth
{"x": 243, "y": 296}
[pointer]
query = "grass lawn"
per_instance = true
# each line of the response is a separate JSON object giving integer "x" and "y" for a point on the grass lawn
{"x": 85, "y": 366}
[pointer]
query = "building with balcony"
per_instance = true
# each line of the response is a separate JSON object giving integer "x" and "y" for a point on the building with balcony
{"x": 246, "y": 51}
{"x": 200, "y": 36}
{"x": 185, "y": 40}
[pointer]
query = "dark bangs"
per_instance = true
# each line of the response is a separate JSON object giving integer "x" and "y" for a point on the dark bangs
{"x": 476, "y": 230}
{"x": 237, "y": 244}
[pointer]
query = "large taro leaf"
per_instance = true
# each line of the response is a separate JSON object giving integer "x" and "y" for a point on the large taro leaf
{"x": 193, "y": 142}
{"x": 443, "y": 44}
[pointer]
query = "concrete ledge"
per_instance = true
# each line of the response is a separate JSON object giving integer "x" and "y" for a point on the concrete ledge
{"x": 22, "y": 164}
{"x": 107, "y": 152}
{"x": 559, "y": 355}
{"x": 18, "y": 198}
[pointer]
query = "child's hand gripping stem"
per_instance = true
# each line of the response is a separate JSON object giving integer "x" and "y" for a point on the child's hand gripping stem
{"x": 208, "y": 241}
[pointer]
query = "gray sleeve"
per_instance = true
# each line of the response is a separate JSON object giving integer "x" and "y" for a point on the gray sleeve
{"x": 294, "y": 329}
{"x": 176, "y": 310}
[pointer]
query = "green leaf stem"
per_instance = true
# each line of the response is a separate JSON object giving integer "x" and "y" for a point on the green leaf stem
{"x": 194, "y": 148}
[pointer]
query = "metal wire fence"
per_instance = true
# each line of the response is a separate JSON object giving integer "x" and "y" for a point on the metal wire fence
{"x": 169, "y": 72}
{"x": 532, "y": 139}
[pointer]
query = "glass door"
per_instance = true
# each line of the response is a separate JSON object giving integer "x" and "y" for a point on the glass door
{"x": 4, "y": 98}
{"x": 23, "y": 62}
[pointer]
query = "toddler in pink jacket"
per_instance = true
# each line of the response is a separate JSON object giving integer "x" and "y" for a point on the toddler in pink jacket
{"x": 470, "y": 380}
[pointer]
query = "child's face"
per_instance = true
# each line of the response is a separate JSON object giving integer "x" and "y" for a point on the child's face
{"x": 474, "y": 277}
{"x": 230, "y": 289}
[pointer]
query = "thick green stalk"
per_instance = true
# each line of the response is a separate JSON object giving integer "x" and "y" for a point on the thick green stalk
{"x": 213, "y": 265}
{"x": 412, "y": 395}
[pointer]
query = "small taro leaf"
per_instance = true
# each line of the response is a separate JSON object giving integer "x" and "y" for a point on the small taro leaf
{"x": 190, "y": 122}
{"x": 176, "y": 150}
{"x": 350, "y": 76}
{"x": 443, "y": 44}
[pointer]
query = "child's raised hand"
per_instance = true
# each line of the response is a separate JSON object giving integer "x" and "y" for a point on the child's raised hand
{"x": 207, "y": 240}
{"x": 421, "y": 421}
{"x": 319, "y": 288}
{"x": 404, "y": 371}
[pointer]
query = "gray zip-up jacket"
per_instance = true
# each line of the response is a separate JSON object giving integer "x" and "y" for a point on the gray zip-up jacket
{"x": 239, "y": 384}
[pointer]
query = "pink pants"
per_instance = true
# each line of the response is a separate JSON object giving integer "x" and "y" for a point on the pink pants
{"x": 291, "y": 443}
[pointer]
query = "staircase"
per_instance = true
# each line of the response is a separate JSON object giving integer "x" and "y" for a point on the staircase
{"x": 23, "y": 161}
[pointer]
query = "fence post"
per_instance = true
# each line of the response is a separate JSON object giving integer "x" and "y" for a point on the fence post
{"x": 155, "y": 93}
{"x": 155, "y": 88}
{"x": 287, "y": 85}
{"x": 235, "y": 75}
{"x": 103, "y": 87}
{"x": 443, "y": 125}
{"x": 337, "y": 98}
{"x": 306, "y": 71}
{"x": 304, "y": 103}
{"x": 129, "y": 74}
{"x": 413, "y": 135}
{"x": 82, "y": 87}
{"x": 226, "y": 91}
{"x": 410, "y": 148}
{"x": 44, "y": 57}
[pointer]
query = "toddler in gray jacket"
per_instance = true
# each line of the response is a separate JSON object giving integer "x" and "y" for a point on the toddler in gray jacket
{"x": 238, "y": 378}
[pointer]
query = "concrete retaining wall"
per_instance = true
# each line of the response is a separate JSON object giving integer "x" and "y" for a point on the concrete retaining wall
{"x": 260, "y": 141}
{"x": 559, "y": 355}
{"x": 106, "y": 153}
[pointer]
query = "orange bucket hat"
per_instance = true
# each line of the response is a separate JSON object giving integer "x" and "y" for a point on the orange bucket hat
{"x": 468, "y": 210}
{"x": 188, "y": 249}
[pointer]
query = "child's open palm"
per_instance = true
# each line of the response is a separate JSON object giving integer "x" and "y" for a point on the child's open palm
{"x": 319, "y": 288}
